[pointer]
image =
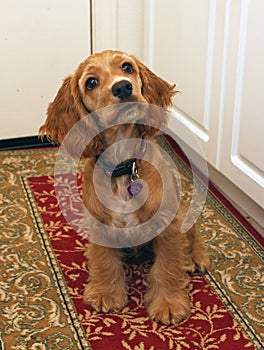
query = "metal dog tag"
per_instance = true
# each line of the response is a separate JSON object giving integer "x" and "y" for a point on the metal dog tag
{"x": 135, "y": 187}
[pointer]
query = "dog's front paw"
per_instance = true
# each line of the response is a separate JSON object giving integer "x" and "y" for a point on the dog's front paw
{"x": 201, "y": 260}
{"x": 104, "y": 301}
{"x": 169, "y": 309}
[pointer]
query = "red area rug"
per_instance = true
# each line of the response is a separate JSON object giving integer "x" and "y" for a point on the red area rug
{"x": 210, "y": 325}
{"x": 226, "y": 302}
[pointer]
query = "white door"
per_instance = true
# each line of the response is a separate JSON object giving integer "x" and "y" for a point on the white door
{"x": 214, "y": 51}
{"x": 41, "y": 42}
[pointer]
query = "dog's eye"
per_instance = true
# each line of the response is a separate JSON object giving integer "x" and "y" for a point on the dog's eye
{"x": 91, "y": 83}
{"x": 127, "y": 67}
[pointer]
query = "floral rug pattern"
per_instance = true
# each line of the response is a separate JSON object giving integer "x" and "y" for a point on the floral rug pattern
{"x": 43, "y": 271}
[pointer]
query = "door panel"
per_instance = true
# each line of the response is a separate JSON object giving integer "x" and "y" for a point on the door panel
{"x": 242, "y": 159}
{"x": 250, "y": 145}
{"x": 188, "y": 50}
{"x": 180, "y": 41}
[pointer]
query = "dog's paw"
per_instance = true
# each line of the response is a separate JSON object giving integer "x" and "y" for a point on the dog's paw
{"x": 104, "y": 302}
{"x": 169, "y": 309}
{"x": 201, "y": 261}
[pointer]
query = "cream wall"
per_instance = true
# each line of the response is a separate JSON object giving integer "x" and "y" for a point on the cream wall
{"x": 40, "y": 42}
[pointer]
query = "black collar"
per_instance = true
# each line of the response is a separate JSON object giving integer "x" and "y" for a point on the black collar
{"x": 124, "y": 168}
{"x": 121, "y": 169}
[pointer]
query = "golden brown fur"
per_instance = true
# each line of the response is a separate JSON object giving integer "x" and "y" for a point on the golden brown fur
{"x": 176, "y": 253}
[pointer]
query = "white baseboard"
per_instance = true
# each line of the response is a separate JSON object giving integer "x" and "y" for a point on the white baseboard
{"x": 245, "y": 205}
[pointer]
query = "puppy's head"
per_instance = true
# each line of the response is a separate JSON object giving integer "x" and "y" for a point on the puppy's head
{"x": 104, "y": 79}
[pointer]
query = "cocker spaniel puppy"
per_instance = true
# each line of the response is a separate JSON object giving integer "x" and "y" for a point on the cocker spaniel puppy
{"x": 121, "y": 81}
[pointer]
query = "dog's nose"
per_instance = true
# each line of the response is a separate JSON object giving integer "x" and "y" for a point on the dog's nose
{"x": 122, "y": 89}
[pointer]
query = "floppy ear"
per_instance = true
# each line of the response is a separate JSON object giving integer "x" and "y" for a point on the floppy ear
{"x": 63, "y": 113}
{"x": 155, "y": 89}
{"x": 157, "y": 92}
